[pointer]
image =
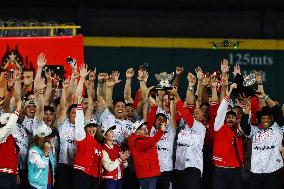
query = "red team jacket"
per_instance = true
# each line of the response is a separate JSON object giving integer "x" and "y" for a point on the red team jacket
{"x": 9, "y": 150}
{"x": 145, "y": 154}
{"x": 113, "y": 154}
{"x": 89, "y": 156}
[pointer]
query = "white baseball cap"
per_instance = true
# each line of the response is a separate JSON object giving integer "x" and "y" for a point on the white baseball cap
{"x": 137, "y": 124}
{"x": 107, "y": 126}
{"x": 4, "y": 118}
{"x": 43, "y": 130}
{"x": 29, "y": 103}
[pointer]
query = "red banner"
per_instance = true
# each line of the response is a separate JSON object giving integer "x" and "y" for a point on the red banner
{"x": 22, "y": 52}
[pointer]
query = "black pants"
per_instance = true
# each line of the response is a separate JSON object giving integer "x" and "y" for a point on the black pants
{"x": 24, "y": 182}
{"x": 265, "y": 181}
{"x": 65, "y": 177}
{"x": 190, "y": 178}
{"x": 164, "y": 180}
{"x": 129, "y": 180}
{"x": 84, "y": 181}
{"x": 227, "y": 178}
{"x": 8, "y": 181}
{"x": 206, "y": 181}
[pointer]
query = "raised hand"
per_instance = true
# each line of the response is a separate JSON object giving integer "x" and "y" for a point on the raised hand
{"x": 41, "y": 60}
{"x": 225, "y": 66}
{"x": 48, "y": 76}
{"x": 92, "y": 75}
{"x": 179, "y": 70}
{"x": 129, "y": 73}
{"x": 237, "y": 70}
{"x": 102, "y": 77}
{"x": 199, "y": 73}
{"x": 115, "y": 77}
{"x": 142, "y": 75}
{"x": 84, "y": 71}
{"x": 66, "y": 83}
{"x": 191, "y": 79}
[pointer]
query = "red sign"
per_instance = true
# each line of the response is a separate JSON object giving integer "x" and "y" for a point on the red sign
{"x": 22, "y": 52}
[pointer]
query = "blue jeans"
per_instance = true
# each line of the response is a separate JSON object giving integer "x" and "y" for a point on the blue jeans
{"x": 112, "y": 184}
{"x": 148, "y": 183}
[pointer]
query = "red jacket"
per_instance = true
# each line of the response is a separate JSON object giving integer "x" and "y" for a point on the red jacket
{"x": 145, "y": 156}
{"x": 89, "y": 156}
{"x": 9, "y": 156}
{"x": 224, "y": 153}
{"x": 113, "y": 154}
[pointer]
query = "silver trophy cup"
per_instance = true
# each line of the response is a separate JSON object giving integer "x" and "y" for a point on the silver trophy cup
{"x": 164, "y": 80}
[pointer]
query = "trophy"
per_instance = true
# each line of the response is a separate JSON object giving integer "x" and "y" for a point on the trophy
{"x": 164, "y": 81}
{"x": 249, "y": 80}
{"x": 246, "y": 85}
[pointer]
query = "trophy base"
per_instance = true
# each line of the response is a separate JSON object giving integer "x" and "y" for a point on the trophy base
{"x": 163, "y": 88}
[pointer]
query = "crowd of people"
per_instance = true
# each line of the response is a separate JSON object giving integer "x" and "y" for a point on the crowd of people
{"x": 72, "y": 134}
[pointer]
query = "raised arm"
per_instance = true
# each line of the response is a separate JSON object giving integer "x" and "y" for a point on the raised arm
{"x": 127, "y": 89}
{"x": 205, "y": 85}
{"x": 190, "y": 89}
{"x": 182, "y": 109}
{"x": 110, "y": 83}
{"x": 90, "y": 109}
{"x": 245, "y": 117}
{"x": 62, "y": 105}
{"x": 199, "y": 75}
{"x": 224, "y": 77}
{"x": 39, "y": 99}
{"x": 143, "y": 78}
{"x": 173, "y": 112}
{"x": 80, "y": 133}
{"x": 48, "y": 90}
{"x": 222, "y": 110}
{"x": 142, "y": 145}
{"x": 83, "y": 75}
{"x": 41, "y": 62}
{"x": 153, "y": 109}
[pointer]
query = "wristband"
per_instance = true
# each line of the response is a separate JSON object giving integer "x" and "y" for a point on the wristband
{"x": 266, "y": 97}
{"x": 172, "y": 98}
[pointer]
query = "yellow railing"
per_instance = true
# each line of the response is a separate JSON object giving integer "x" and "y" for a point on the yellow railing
{"x": 52, "y": 28}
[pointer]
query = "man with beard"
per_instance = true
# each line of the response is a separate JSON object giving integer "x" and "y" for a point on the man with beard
{"x": 228, "y": 148}
{"x": 123, "y": 127}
